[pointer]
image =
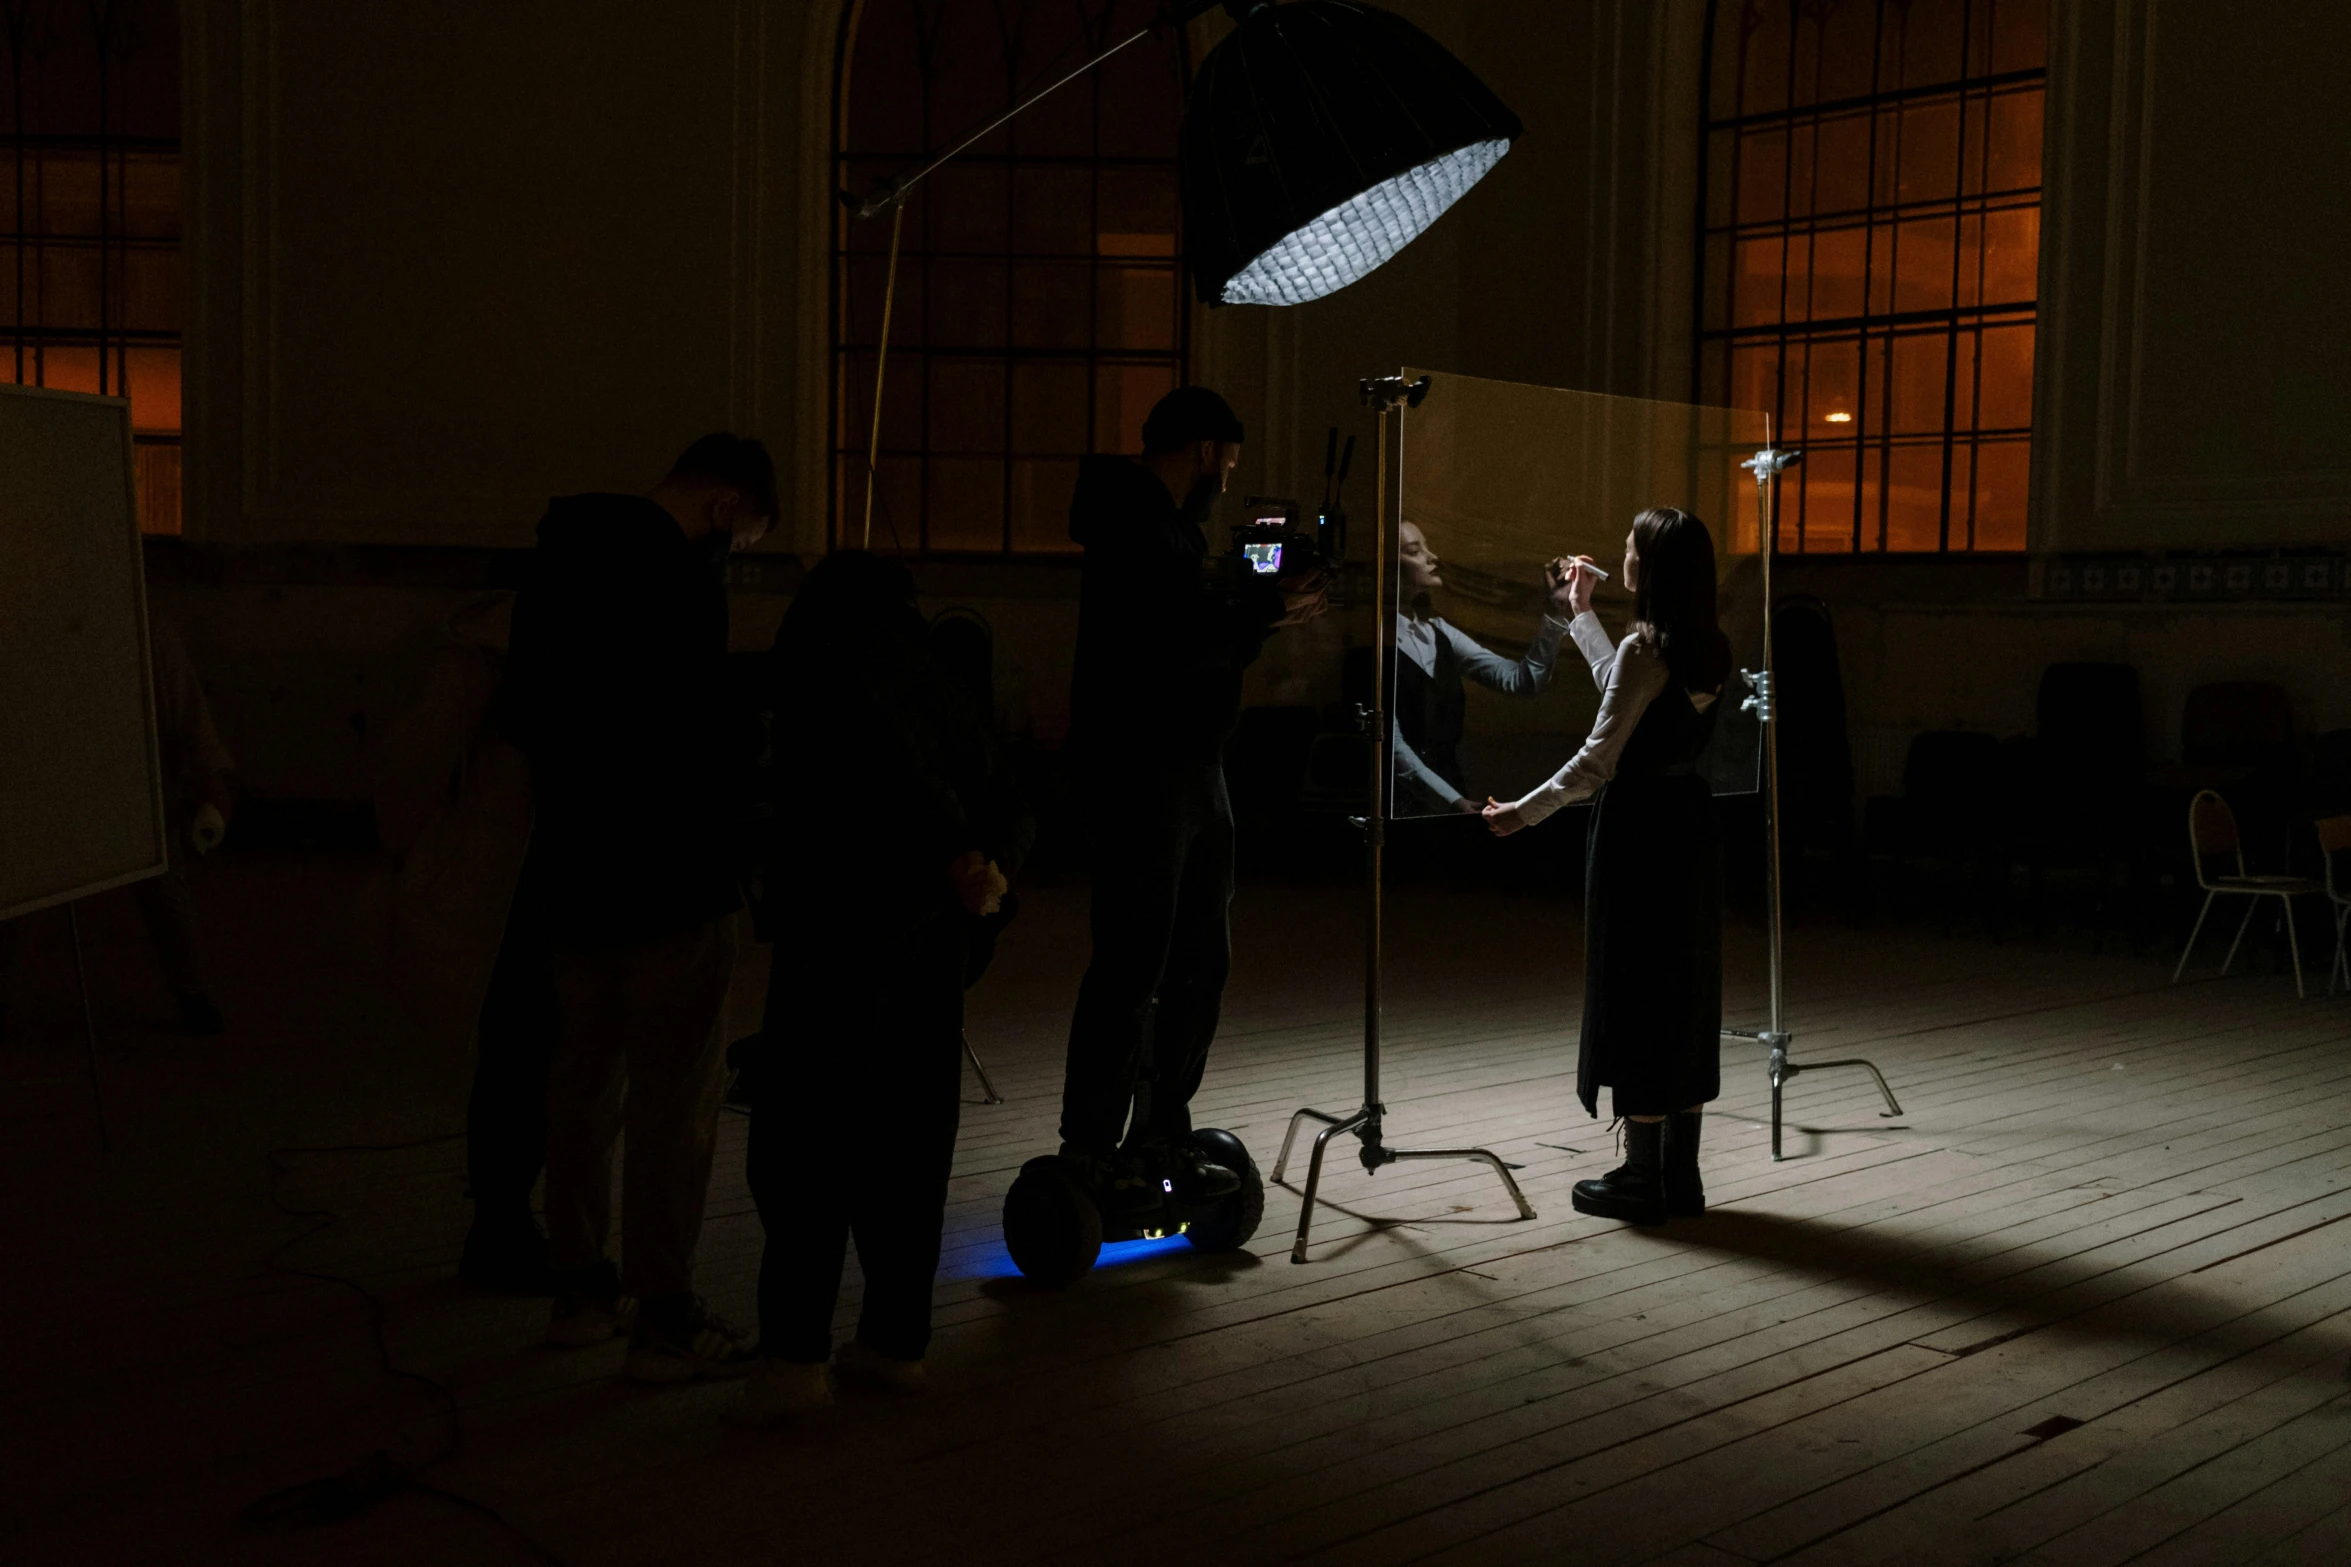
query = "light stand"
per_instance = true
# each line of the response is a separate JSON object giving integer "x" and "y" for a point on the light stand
{"x": 1767, "y": 466}
{"x": 1390, "y": 396}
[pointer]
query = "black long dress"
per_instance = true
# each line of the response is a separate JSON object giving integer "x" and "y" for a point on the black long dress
{"x": 1653, "y": 922}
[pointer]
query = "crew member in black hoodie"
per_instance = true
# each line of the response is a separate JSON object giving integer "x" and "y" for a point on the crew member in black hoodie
{"x": 616, "y": 691}
{"x": 1162, "y": 644}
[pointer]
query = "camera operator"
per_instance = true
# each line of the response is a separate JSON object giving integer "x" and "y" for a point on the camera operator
{"x": 616, "y": 690}
{"x": 1163, "y": 639}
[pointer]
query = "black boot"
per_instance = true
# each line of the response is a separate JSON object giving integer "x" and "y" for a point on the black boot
{"x": 1635, "y": 1190}
{"x": 1685, "y": 1193}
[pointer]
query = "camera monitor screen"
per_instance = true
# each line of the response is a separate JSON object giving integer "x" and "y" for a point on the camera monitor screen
{"x": 1264, "y": 559}
{"x": 1493, "y": 690}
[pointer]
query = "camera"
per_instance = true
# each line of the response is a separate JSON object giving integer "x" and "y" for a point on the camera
{"x": 1273, "y": 543}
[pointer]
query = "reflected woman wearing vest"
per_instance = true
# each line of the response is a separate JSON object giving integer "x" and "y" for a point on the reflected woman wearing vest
{"x": 1434, "y": 660}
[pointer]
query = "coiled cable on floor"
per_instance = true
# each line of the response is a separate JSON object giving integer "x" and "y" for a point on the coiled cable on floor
{"x": 379, "y": 1475}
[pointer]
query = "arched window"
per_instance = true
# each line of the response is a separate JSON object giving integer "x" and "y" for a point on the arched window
{"x": 1039, "y": 309}
{"x": 1871, "y": 258}
{"x": 90, "y": 281}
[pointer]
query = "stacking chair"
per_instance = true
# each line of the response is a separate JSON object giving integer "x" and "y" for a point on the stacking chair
{"x": 2212, "y": 834}
{"x": 2334, "y": 843}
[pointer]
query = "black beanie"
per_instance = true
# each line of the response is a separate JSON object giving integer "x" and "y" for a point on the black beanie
{"x": 1188, "y": 414}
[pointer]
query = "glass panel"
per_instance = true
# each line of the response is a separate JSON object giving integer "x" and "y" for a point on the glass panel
{"x": 964, "y": 206}
{"x": 1839, "y": 258}
{"x": 1827, "y": 480}
{"x": 1053, "y": 212}
{"x": 1763, "y": 177}
{"x": 1136, "y": 307}
{"x": 1841, "y": 182}
{"x": 1763, "y": 265}
{"x": 1832, "y": 389}
{"x": 1930, "y": 152}
{"x": 966, "y": 304}
{"x": 2006, "y": 399}
{"x": 2013, "y": 142}
{"x": 966, "y": 503}
{"x": 1914, "y": 498}
{"x": 2003, "y": 480}
{"x": 1920, "y": 365}
{"x": 154, "y": 390}
{"x": 1848, "y": 51}
{"x": 1048, "y": 409}
{"x": 2020, "y": 35}
{"x": 1499, "y": 480}
{"x": 1764, "y": 76}
{"x": 966, "y": 405}
{"x": 1049, "y": 304}
{"x": 1123, "y": 394}
{"x": 2012, "y": 256}
{"x": 865, "y": 282}
{"x": 1041, "y": 488}
{"x": 1922, "y": 264}
{"x": 1755, "y": 377}
{"x": 1931, "y": 39}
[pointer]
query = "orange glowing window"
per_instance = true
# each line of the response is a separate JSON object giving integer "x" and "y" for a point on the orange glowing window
{"x": 1040, "y": 308}
{"x": 90, "y": 219}
{"x": 1872, "y": 245}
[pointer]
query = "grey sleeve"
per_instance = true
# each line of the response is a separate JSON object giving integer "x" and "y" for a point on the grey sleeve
{"x": 1521, "y": 677}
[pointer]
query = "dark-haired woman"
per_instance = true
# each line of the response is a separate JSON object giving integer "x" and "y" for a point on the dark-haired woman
{"x": 1652, "y": 1029}
{"x": 894, "y": 820}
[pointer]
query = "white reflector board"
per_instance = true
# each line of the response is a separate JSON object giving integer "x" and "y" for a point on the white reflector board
{"x": 81, "y": 781}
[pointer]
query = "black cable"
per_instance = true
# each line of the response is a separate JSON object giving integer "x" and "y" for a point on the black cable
{"x": 379, "y": 1475}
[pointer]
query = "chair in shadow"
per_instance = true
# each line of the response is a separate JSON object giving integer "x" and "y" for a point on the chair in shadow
{"x": 2334, "y": 856}
{"x": 2212, "y": 837}
{"x": 1815, "y": 804}
{"x": 2329, "y": 785}
{"x": 1944, "y": 818}
{"x": 2076, "y": 790}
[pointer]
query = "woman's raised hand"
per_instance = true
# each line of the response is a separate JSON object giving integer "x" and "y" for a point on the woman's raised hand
{"x": 1571, "y": 580}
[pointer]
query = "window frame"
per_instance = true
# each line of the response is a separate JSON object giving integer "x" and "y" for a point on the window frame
{"x": 1871, "y": 336}
{"x": 847, "y": 444}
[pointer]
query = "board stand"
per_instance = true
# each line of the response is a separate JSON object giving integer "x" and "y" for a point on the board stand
{"x": 81, "y": 979}
{"x": 1389, "y": 396}
{"x": 988, "y": 1093}
{"x": 1762, "y": 701}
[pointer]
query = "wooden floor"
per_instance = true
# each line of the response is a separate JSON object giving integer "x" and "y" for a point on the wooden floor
{"x": 2088, "y": 1301}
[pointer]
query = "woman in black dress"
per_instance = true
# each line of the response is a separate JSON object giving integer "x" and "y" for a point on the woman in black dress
{"x": 1653, "y": 869}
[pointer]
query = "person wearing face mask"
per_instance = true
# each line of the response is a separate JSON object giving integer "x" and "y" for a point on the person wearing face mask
{"x": 1155, "y": 692}
{"x": 1435, "y": 658}
{"x": 616, "y": 691}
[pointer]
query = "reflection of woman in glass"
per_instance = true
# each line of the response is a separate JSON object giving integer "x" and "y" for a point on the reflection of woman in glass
{"x": 1653, "y": 870}
{"x": 1435, "y": 658}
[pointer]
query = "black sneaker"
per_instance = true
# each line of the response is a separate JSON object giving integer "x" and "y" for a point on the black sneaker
{"x": 1187, "y": 1173}
{"x": 589, "y": 1308}
{"x": 680, "y": 1339}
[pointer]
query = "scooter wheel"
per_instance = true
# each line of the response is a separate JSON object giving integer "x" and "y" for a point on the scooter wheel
{"x": 1051, "y": 1225}
{"x": 1228, "y": 1226}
